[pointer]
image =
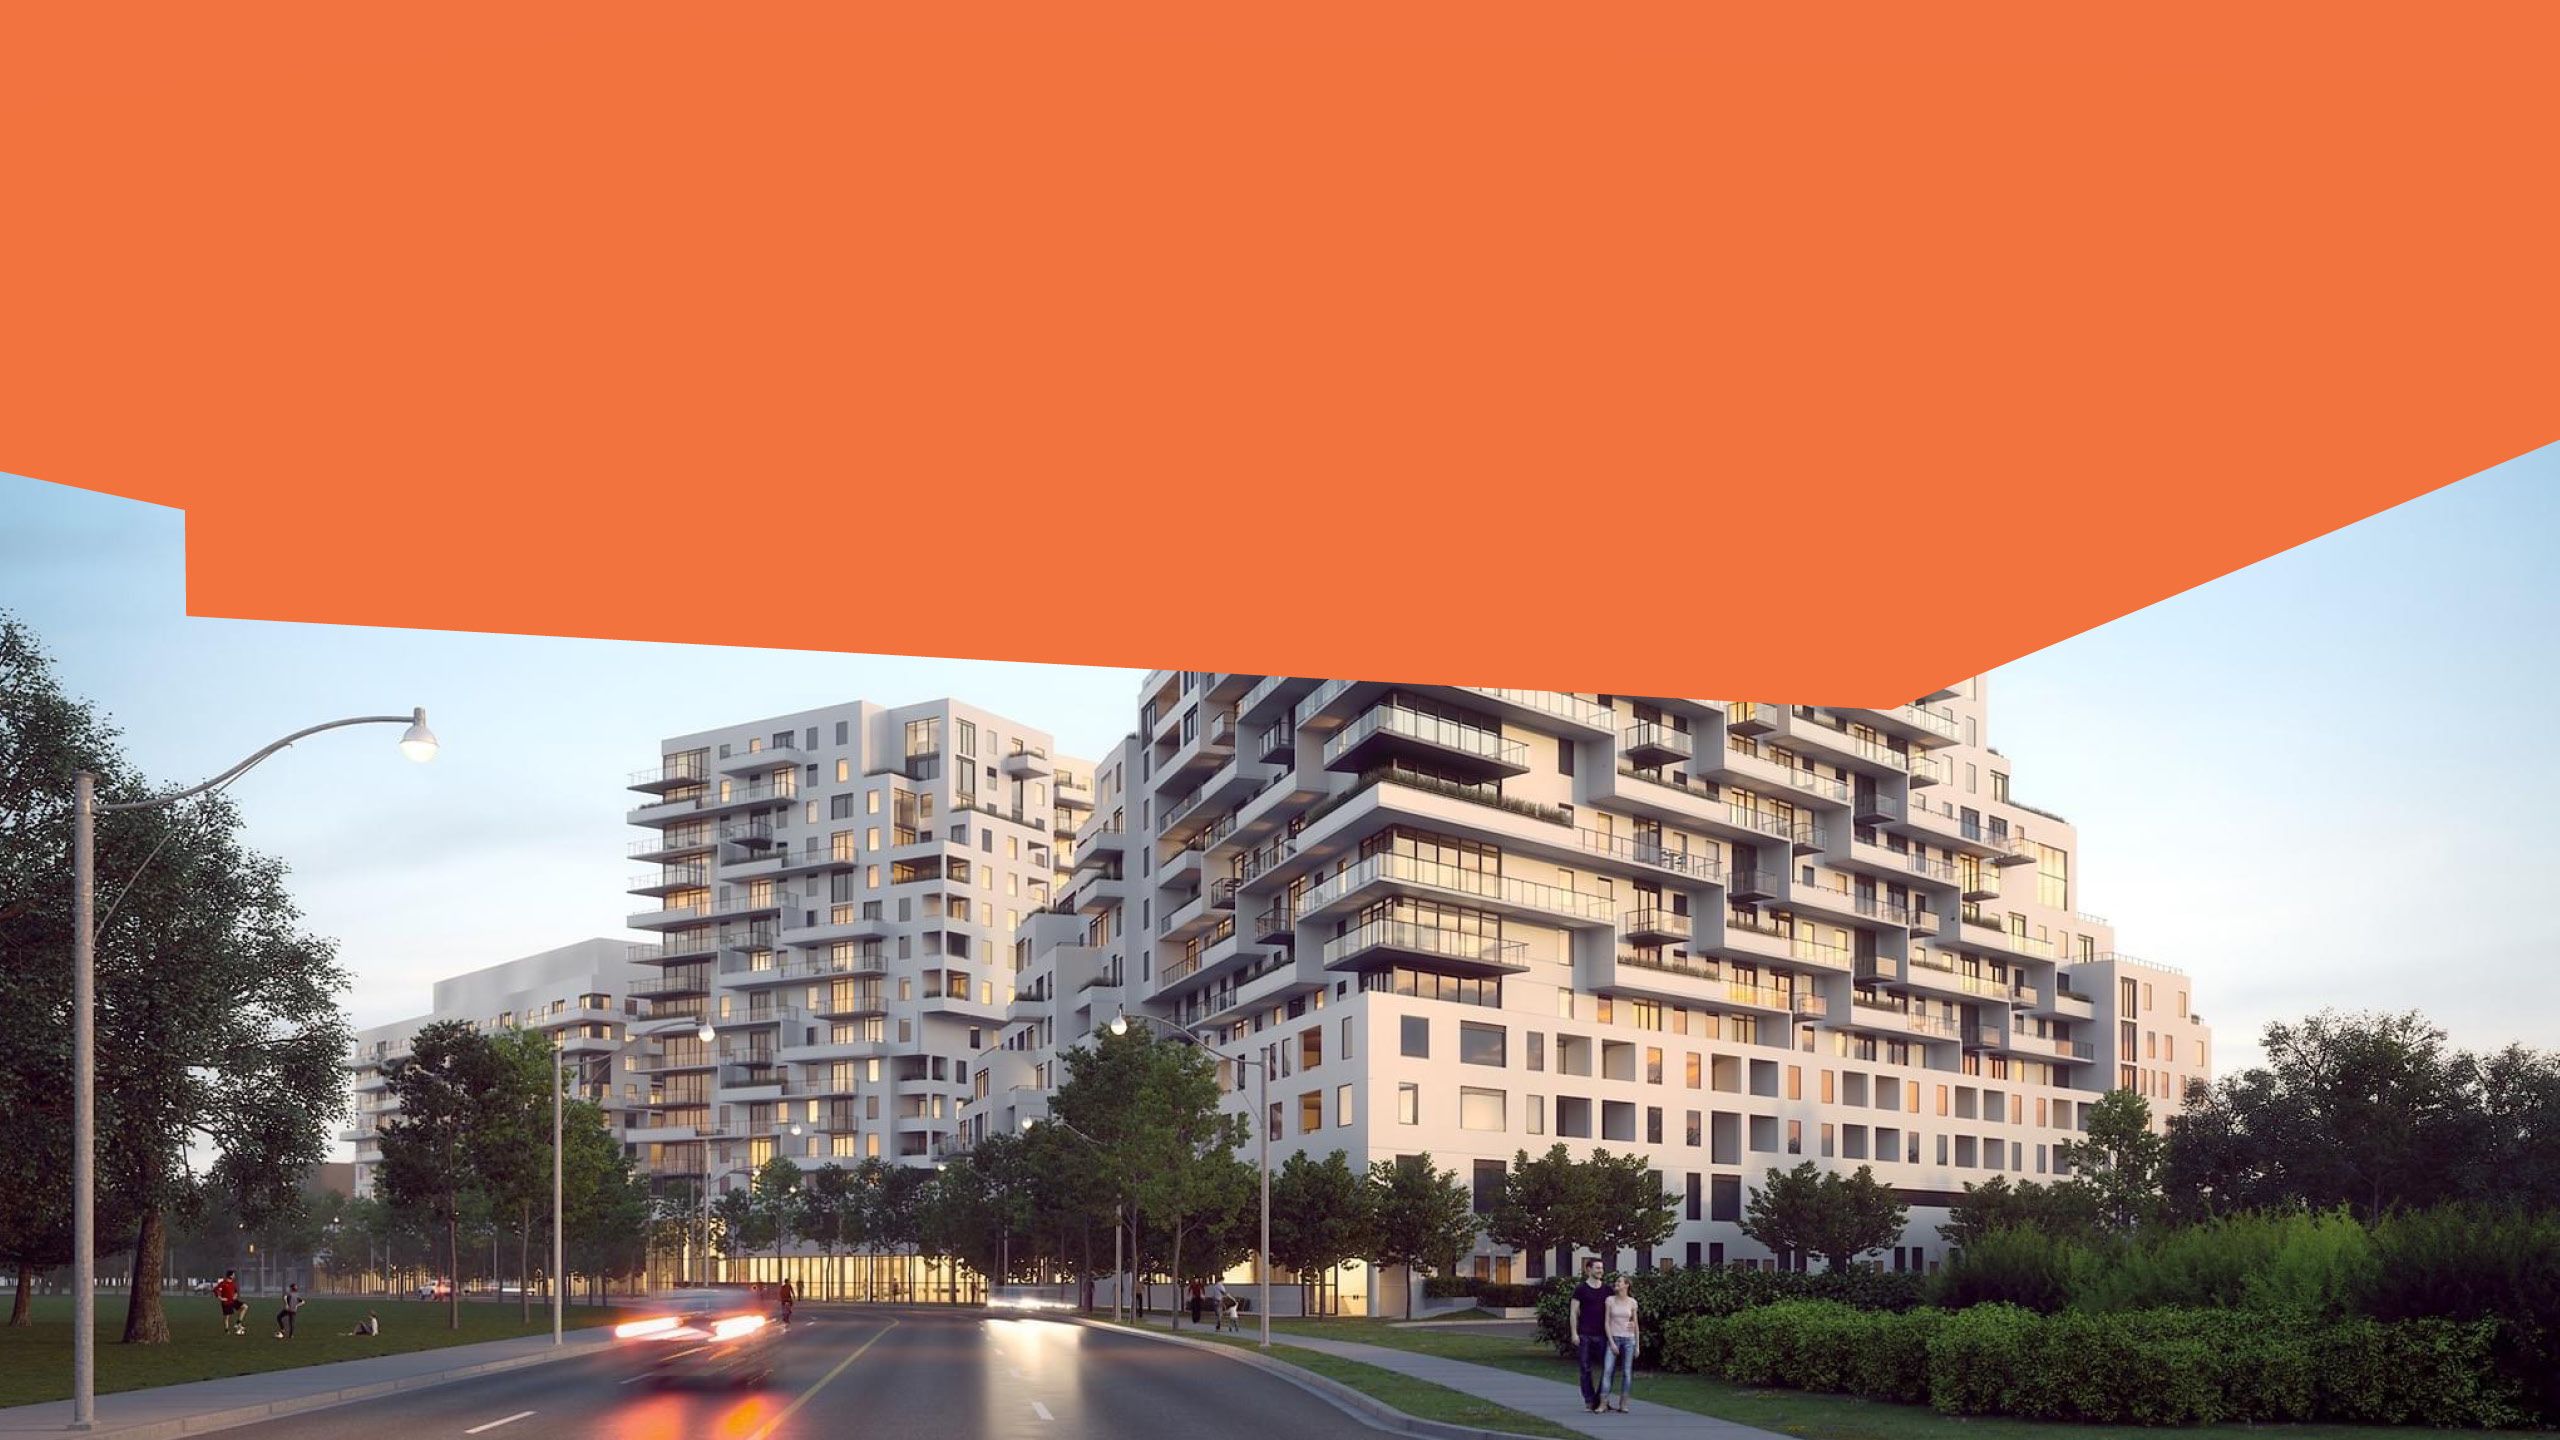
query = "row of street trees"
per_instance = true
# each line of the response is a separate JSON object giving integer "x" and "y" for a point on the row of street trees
{"x": 471, "y": 1138}
{"x": 220, "y": 1040}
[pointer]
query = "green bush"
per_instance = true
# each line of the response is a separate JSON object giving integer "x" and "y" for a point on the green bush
{"x": 2323, "y": 1265}
{"x": 1451, "y": 1287}
{"x": 1666, "y": 1295}
{"x": 1988, "y": 1360}
{"x": 2413, "y": 1372}
{"x": 1893, "y": 1363}
{"x": 2207, "y": 1265}
{"x": 1694, "y": 1345}
{"x": 2464, "y": 1264}
{"x": 2006, "y": 1267}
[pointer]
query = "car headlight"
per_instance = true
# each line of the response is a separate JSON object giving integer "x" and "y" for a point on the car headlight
{"x": 737, "y": 1325}
{"x": 633, "y": 1330}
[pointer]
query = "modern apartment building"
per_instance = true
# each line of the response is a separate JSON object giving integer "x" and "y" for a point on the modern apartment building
{"x": 1730, "y": 935}
{"x": 580, "y": 992}
{"x": 836, "y": 895}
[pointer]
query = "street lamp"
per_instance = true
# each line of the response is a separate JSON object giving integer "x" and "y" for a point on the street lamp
{"x": 704, "y": 1033}
{"x": 1261, "y": 1128}
{"x": 417, "y": 742}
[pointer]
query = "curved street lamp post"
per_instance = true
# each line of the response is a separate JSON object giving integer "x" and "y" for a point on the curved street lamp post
{"x": 417, "y": 742}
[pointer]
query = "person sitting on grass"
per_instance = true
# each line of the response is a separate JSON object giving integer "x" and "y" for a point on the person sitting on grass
{"x": 371, "y": 1324}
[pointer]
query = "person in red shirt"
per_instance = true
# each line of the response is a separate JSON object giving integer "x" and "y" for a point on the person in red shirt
{"x": 227, "y": 1290}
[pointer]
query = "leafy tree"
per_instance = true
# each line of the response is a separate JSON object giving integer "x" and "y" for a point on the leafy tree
{"x": 2373, "y": 1111}
{"x": 739, "y": 1224}
{"x": 1420, "y": 1216}
{"x": 510, "y": 1141}
{"x": 605, "y": 1206}
{"x": 828, "y": 1204}
{"x": 427, "y": 1142}
{"x": 1545, "y": 1202}
{"x": 1152, "y": 1110}
{"x": 2119, "y": 1164}
{"x": 1629, "y": 1209}
{"x": 1076, "y": 1193}
{"x": 1319, "y": 1214}
{"x": 1816, "y": 1212}
{"x": 776, "y": 1188}
{"x": 2059, "y": 1211}
{"x": 219, "y": 1034}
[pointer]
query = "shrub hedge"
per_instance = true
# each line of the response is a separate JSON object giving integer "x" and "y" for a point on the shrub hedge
{"x": 1663, "y": 1296}
{"x": 2142, "y": 1367}
{"x": 1492, "y": 1294}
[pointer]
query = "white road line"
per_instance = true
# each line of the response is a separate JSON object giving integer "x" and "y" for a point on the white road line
{"x": 494, "y": 1424}
{"x": 1041, "y": 1410}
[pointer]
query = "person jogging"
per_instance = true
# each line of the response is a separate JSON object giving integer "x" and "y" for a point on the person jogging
{"x": 227, "y": 1291}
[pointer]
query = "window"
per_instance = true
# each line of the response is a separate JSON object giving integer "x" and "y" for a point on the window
{"x": 1408, "y": 1103}
{"x": 1694, "y": 1070}
{"x": 1417, "y": 1036}
{"x": 1490, "y": 1175}
{"x": 1480, "y": 1109}
{"x": 1795, "y": 1137}
{"x": 1342, "y": 1105}
{"x": 1346, "y": 1037}
{"x": 1311, "y": 1047}
{"x": 1478, "y": 1044}
{"x": 1310, "y": 1112}
{"x": 1537, "y": 1050}
{"x": 1537, "y": 1114}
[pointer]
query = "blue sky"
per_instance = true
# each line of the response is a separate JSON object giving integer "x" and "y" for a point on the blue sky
{"x": 2328, "y": 779}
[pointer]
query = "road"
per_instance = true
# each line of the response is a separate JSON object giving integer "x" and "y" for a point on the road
{"x": 915, "y": 1372}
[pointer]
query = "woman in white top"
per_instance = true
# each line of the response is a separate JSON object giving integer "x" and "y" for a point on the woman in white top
{"x": 1622, "y": 1330}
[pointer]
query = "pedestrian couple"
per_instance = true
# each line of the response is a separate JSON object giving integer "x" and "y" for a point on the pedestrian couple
{"x": 1604, "y": 1332}
{"x": 1222, "y": 1305}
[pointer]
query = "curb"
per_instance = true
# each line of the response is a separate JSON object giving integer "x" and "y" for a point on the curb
{"x": 1369, "y": 1410}
{"x": 213, "y": 1420}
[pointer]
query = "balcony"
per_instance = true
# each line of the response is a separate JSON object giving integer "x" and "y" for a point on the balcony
{"x": 1894, "y": 1018}
{"x": 1552, "y": 705}
{"x": 1750, "y": 718}
{"x": 1072, "y": 794}
{"x": 1927, "y": 770}
{"x": 1873, "y": 807}
{"x": 1755, "y": 885}
{"x": 1393, "y": 874}
{"x": 673, "y": 845}
{"x": 674, "y": 773}
{"x": 1920, "y": 724}
{"x": 1390, "y": 732}
{"x": 669, "y": 880}
{"x": 760, "y": 759}
{"x": 678, "y": 983}
{"x": 1029, "y": 763}
{"x": 1649, "y": 743}
{"x": 1381, "y": 944}
{"x": 1276, "y": 745}
{"x": 1972, "y": 930}
{"x": 1703, "y": 866}
{"x": 1654, "y": 925}
{"x": 816, "y": 860}
{"x": 689, "y": 911}
{"x": 677, "y": 948}
{"x": 1696, "y": 982}
{"x": 1272, "y": 698}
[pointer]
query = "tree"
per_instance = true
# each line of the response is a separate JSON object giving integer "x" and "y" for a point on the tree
{"x": 1151, "y": 1108}
{"x": 1629, "y": 1209}
{"x": 605, "y": 1206}
{"x": 2059, "y": 1211}
{"x": 827, "y": 1207}
{"x": 1419, "y": 1216}
{"x": 219, "y": 1034}
{"x": 1545, "y": 1202}
{"x": 2119, "y": 1164}
{"x": 740, "y": 1224}
{"x": 510, "y": 1140}
{"x": 1319, "y": 1214}
{"x": 427, "y": 1142}
{"x": 1810, "y": 1211}
{"x": 776, "y": 1188}
{"x": 2373, "y": 1111}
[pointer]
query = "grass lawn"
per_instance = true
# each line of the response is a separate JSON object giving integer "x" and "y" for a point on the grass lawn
{"x": 1414, "y": 1397}
{"x": 35, "y": 1362}
{"x": 1788, "y": 1412}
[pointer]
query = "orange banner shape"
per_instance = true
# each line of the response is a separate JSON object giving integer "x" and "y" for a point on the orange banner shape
{"x": 1827, "y": 351}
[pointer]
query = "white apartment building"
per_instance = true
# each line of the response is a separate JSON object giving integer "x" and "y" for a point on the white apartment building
{"x": 836, "y": 896}
{"x": 579, "y": 992}
{"x": 1730, "y": 935}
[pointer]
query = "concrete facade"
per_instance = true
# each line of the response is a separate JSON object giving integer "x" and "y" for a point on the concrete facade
{"x": 1729, "y": 935}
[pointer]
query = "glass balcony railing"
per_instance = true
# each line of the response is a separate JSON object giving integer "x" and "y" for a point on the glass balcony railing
{"x": 1553, "y": 702}
{"x": 1427, "y": 940}
{"x": 1703, "y": 865}
{"x": 1938, "y": 722}
{"x": 1391, "y": 719}
{"x": 1456, "y": 881}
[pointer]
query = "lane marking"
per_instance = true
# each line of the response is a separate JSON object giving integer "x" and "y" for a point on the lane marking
{"x": 494, "y": 1424}
{"x": 806, "y": 1395}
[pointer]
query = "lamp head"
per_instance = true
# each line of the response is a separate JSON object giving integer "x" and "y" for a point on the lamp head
{"x": 418, "y": 742}
{"x": 1119, "y": 1024}
{"x": 704, "y": 1034}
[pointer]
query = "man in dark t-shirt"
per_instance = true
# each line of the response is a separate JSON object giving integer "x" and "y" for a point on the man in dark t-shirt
{"x": 1590, "y": 1331}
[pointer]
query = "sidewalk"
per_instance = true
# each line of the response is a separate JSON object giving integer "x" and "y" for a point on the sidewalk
{"x": 1559, "y": 1401}
{"x": 199, "y": 1406}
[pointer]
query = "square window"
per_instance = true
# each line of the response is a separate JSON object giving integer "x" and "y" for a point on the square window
{"x": 1417, "y": 1037}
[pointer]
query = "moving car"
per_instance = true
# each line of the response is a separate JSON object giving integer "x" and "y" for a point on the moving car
{"x": 713, "y": 1335}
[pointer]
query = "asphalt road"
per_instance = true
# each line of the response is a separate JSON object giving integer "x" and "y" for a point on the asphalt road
{"x": 924, "y": 1373}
